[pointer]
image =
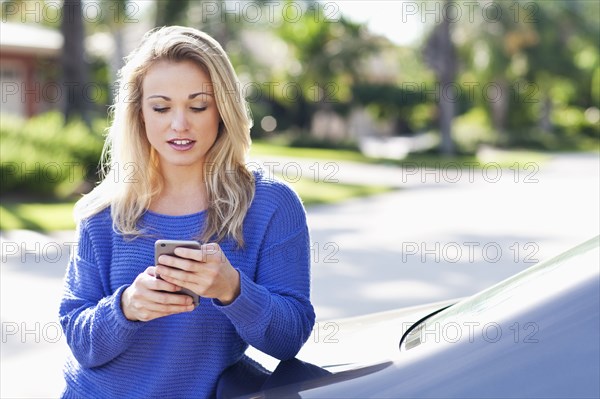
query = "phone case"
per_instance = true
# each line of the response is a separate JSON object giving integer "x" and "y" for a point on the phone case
{"x": 167, "y": 247}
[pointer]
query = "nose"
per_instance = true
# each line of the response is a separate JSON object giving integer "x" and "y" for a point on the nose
{"x": 179, "y": 122}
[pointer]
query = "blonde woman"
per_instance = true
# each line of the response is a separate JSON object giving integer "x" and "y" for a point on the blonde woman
{"x": 174, "y": 165}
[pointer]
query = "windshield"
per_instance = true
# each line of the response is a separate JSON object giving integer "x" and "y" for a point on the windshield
{"x": 410, "y": 338}
{"x": 518, "y": 293}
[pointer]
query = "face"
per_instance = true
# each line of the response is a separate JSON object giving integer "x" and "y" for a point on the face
{"x": 180, "y": 113}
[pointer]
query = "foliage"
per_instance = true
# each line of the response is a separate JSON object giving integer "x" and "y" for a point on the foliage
{"x": 473, "y": 129}
{"x": 44, "y": 157}
{"x": 264, "y": 149}
{"x": 388, "y": 101}
{"x": 58, "y": 216}
{"x": 170, "y": 12}
{"x": 48, "y": 216}
{"x": 543, "y": 56}
{"x": 325, "y": 65}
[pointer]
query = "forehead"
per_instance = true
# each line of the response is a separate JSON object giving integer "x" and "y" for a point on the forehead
{"x": 169, "y": 77}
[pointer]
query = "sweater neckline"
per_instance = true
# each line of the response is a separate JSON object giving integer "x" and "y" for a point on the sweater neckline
{"x": 165, "y": 216}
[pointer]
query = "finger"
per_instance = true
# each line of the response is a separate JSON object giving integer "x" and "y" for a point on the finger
{"x": 153, "y": 300}
{"x": 160, "y": 284}
{"x": 166, "y": 310}
{"x": 163, "y": 298}
{"x": 151, "y": 280}
{"x": 165, "y": 303}
{"x": 212, "y": 252}
{"x": 177, "y": 262}
{"x": 175, "y": 276}
{"x": 159, "y": 310}
{"x": 206, "y": 253}
{"x": 190, "y": 253}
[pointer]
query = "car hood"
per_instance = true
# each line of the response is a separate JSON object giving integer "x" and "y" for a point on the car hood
{"x": 350, "y": 343}
{"x": 544, "y": 342}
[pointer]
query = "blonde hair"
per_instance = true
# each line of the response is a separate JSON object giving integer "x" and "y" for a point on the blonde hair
{"x": 130, "y": 170}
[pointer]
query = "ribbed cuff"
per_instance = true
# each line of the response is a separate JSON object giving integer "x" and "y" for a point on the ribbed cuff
{"x": 250, "y": 307}
{"x": 115, "y": 314}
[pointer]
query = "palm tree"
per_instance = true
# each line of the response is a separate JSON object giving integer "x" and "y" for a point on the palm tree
{"x": 440, "y": 55}
{"x": 74, "y": 66}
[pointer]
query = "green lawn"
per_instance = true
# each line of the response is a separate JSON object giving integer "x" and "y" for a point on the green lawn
{"x": 313, "y": 192}
{"x": 58, "y": 216}
{"x": 505, "y": 158}
{"x": 262, "y": 149}
{"x": 36, "y": 216}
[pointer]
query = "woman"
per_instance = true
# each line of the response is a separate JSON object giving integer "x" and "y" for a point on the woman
{"x": 174, "y": 164}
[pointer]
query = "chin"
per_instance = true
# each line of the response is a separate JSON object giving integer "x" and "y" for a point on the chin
{"x": 178, "y": 161}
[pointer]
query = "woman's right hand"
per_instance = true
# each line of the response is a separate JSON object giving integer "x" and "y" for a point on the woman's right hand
{"x": 144, "y": 301}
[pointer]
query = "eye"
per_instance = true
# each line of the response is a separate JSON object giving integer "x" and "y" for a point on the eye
{"x": 160, "y": 110}
{"x": 197, "y": 109}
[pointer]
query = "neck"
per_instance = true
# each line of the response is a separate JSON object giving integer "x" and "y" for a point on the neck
{"x": 181, "y": 180}
{"x": 183, "y": 192}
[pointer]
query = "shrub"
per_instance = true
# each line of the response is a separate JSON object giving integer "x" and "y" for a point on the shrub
{"x": 44, "y": 157}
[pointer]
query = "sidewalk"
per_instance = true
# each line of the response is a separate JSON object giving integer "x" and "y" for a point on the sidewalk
{"x": 435, "y": 238}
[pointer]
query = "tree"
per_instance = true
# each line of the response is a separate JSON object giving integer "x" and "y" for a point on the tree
{"x": 171, "y": 12}
{"x": 492, "y": 51}
{"x": 74, "y": 66}
{"x": 115, "y": 12}
{"x": 328, "y": 55}
{"x": 440, "y": 54}
{"x": 539, "y": 58}
{"x": 565, "y": 29}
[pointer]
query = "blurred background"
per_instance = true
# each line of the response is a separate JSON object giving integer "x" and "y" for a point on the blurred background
{"x": 386, "y": 78}
{"x": 439, "y": 146}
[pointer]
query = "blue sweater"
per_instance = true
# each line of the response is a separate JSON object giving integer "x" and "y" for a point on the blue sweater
{"x": 183, "y": 355}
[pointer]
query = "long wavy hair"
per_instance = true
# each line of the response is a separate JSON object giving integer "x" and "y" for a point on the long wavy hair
{"x": 130, "y": 167}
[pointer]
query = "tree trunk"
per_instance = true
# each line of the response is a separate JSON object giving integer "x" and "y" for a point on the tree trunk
{"x": 447, "y": 110}
{"x": 446, "y": 77}
{"x": 116, "y": 60}
{"x": 74, "y": 66}
{"x": 441, "y": 57}
{"x": 545, "y": 123}
{"x": 499, "y": 107}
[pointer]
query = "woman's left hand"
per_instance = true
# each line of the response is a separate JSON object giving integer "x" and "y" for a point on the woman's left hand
{"x": 205, "y": 271}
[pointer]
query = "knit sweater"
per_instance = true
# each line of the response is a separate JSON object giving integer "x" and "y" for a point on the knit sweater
{"x": 183, "y": 355}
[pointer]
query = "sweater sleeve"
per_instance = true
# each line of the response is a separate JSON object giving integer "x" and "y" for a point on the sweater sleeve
{"x": 92, "y": 320}
{"x": 273, "y": 312}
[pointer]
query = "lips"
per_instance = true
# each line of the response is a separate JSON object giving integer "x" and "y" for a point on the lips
{"x": 181, "y": 144}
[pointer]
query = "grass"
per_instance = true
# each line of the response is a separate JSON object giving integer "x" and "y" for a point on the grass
{"x": 36, "y": 216}
{"x": 59, "y": 216}
{"x": 264, "y": 149}
{"x": 313, "y": 193}
{"x": 48, "y": 216}
{"x": 505, "y": 158}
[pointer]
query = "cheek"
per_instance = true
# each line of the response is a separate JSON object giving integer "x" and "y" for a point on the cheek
{"x": 152, "y": 135}
{"x": 207, "y": 124}
{"x": 215, "y": 122}
{"x": 148, "y": 115}
{"x": 150, "y": 122}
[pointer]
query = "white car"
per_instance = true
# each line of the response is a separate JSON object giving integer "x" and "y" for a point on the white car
{"x": 534, "y": 335}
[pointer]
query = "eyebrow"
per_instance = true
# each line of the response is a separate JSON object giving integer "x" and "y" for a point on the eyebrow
{"x": 190, "y": 97}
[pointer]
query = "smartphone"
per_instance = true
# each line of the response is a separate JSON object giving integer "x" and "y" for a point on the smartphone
{"x": 167, "y": 247}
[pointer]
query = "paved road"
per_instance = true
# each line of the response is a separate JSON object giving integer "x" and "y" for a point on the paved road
{"x": 436, "y": 241}
{"x": 440, "y": 235}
